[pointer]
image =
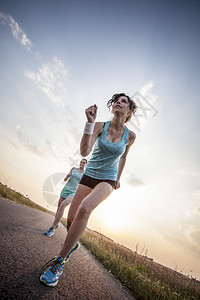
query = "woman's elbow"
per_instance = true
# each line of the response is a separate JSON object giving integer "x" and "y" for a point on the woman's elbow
{"x": 84, "y": 151}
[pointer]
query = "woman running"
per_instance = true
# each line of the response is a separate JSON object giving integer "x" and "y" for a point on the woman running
{"x": 67, "y": 194}
{"x": 102, "y": 174}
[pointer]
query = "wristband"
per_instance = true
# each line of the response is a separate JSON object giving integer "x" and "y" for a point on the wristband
{"x": 89, "y": 128}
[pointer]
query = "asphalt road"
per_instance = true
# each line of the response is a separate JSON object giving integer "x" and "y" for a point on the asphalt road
{"x": 24, "y": 249}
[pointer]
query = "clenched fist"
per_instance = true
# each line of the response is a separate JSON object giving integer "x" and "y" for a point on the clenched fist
{"x": 91, "y": 113}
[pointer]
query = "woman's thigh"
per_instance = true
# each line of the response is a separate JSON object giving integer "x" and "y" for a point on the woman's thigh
{"x": 81, "y": 192}
{"x": 101, "y": 191}
{"x": 60, "y": 201}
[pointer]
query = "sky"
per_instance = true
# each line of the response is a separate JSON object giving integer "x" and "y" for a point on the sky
{"x": 59, "y": 57}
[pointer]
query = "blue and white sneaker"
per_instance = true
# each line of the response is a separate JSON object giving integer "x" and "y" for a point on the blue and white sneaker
{"x": 51, "y": 276}
{"x": 73, "y": 249}
{"x": 55, "y": 268}
{"x": 50, "y": 231}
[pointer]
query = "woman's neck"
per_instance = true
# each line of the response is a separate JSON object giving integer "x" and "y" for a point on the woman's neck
{"x": 80, "y": 169}
{"x": 117, "y": 122}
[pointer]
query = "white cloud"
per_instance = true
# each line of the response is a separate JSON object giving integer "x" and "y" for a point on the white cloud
{"x": 134, "y": 181}
{"x": 3, "y": 18}
{"x": 185, "y": 225}
{"x": 29, "y": 146}
{"x": 52, "y": 148}
{"x": 146, "y": 91}
{"x": 192, "y": 232}
{"x": 14, "y": 145}
{"x": 49, "y": 79}
{"x": 145, "y": 101}
{"x": 48, "y": 149}
{"x": 16, "y": 30}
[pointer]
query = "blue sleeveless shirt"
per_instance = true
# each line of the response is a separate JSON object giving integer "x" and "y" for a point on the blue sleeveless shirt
{"x": 105, "y": 156}
{"x": 73, "y": 181}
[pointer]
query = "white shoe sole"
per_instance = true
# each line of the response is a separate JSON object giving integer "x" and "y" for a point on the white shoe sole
{"x": 48, "y": 284}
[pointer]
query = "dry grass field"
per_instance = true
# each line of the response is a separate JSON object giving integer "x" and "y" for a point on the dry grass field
{"x": 144, "y": 277}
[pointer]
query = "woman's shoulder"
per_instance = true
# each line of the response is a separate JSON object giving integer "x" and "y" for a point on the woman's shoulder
{"x": 99, "y": 127}
{"x": 131, "y": 137}
{"x": 99, "y": 124}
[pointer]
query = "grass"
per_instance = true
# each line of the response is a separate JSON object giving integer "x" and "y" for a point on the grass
{"x": 8, "y": 193}
{"x": 146, "y": 279}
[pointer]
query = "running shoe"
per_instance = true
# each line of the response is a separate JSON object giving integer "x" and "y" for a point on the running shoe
{"x": 73, "y": 249}
{"x": 50, "y": 231}
{"x": 55, "y": 268}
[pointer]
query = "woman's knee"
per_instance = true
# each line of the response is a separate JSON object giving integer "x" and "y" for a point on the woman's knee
{"x": 60, "y": 202}
{"x": 61, "y": 209}
{"x": 62, "y": 206}
{"x": 84, "y": 211}
{"x": 65, "y": 203}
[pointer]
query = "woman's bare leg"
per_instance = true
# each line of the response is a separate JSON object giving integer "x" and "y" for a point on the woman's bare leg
{"x": 81, "y": 192}
{"x": 59, "y": 202}
{"x": 98, "y": 194}
{"x": 61, "y": 209}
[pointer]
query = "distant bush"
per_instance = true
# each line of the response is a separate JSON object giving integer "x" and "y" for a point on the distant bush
{"x": 12, "y": 195}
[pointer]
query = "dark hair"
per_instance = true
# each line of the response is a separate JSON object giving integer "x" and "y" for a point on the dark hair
{"x": 84, "y": 159}
{"x": 132, "y": 104}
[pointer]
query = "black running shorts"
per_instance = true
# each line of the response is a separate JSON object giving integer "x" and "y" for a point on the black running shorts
{"x": 92, "y": 182}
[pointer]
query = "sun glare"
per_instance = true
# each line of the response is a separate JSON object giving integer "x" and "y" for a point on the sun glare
{"x": 112, "y": 220}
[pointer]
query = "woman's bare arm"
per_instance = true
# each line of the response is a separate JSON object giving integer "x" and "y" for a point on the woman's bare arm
{"x": 88, "y": 140}
{"x": 122, "y": 160}
{"x": 69, "y": 174}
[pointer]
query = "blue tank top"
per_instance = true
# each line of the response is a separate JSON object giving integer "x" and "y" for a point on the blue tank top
{"x": 73, "y": 181}
{"x": 106, "y": 155}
